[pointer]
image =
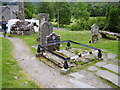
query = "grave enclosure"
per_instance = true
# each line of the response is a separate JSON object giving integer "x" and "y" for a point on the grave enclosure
{"x": 50, "y": 46}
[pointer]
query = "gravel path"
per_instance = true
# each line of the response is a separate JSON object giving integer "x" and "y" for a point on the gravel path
{"x": 46, "y": 76}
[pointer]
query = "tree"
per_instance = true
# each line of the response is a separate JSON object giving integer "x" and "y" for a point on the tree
{"x": 80, "y": 14}
{"x": 62, "y": 13}
{"x": 45, "y": 7}
{"x": 5, "y": 3}
{"x": 113, "y": 20}
{"x": 29, "y": 10}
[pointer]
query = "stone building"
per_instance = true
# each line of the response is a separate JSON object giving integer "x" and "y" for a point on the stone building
{"x": 9, "y": 12}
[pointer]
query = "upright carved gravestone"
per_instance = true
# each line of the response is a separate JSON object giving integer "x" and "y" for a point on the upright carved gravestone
{"x": 22, "y": 27}
{"x": 53, "y": 37}
{"x": 94, "y": 33}
{"x": 45, "y": 27}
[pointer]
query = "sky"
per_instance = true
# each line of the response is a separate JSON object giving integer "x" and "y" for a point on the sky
{"x": 62, "y": 0}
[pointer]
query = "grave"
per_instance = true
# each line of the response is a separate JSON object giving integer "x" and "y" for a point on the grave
{"x": 94, "y": 33}
{"x": 109, "y": 76}
{"x": 22, "y": 27}
{"x": 45, "y": 28}
{"x": 92, "y": 68}
{"x": 65, "y": 57}
{"x": 112, "y": 67}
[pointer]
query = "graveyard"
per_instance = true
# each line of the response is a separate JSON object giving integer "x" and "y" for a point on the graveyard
{"x": 41, "y": 55}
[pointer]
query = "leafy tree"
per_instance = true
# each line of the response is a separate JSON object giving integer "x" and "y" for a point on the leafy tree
{"x": 62, "y": 13}
{"x": 29, "y": 9}
{"x": 5, "y": 3}
{"x": 113, "y": 19}
{"x": 80, "y": 14}
{"x": 45, "y": 7}
{"x": 80, "y": 11}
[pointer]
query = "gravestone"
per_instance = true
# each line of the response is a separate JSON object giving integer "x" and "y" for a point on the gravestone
{"x": 45, "y": 28}
{"x": 94, "y": 33}
{"x": 21, "y": 14}
{"x": 43, "y": 17}
{"x": 53, "y": 37}
{"x": 22, "y": 27}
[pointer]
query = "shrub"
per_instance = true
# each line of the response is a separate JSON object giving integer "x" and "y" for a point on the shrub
{"x": 76, "y": 27}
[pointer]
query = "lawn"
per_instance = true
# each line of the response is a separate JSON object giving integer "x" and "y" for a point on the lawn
{"x": 79, "y": 36}
{"x": 12, "y": 75}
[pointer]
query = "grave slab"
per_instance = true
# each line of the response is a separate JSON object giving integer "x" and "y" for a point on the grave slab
{"x": 112, "y": 67}
{"x": 111, "y": 56}
{"x": 76, "y": 75}
{"x": 80, "y": 84}
{"x": 92, "y": 68}
{"x": 99, "y": 64}
{"x": 54, "y": 59}
{"x": 67, "y": 53}
{"x": 109, "y": 76}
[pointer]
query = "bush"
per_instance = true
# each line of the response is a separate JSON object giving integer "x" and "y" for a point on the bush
{"x": 86, "y": 25}
{"x": 76, "y": 27}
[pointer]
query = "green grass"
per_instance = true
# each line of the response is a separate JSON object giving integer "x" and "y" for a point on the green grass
{"x": 79, "y": 36}
{"x": 84, "y": 37}
{"x": 10, "y": 70}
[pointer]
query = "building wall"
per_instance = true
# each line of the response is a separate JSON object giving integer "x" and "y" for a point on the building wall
{"x": 8, "y": 12}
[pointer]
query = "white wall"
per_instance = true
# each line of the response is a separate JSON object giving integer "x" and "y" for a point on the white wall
{"x": 12, "y": 21}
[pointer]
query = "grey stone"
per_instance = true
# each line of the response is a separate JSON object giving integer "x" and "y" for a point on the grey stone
{"x": 111, "y": 56}
{"x": 109, "y": 76}
{"x": 22, "y": 28}
{"x": 80, "y": 84}
{"x": 92, "y": 68}
{"x": 99, "y": 64}
{"x": 45, "y": 29}
{"x": 84, "y": 60}
{"x": 34, "y": 47}
{"x": 43, "y": 17}
{"x": 104, "y": 50}
{"x": 67, "y": 53}
{"x": 21, "y": 14}
{"x": 54, "y": 59}
{"x": 112, "y": 67}
{"x": 90, "y": 57}
{"x": 76, "y": 75}
{"x": 94, "y": 33}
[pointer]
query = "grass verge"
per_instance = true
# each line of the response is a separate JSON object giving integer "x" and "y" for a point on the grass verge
{"x": 12, "y": 75}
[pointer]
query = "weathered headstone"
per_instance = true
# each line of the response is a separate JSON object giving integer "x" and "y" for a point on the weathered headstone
{"x": 21, "y": 15}
{"x": 43, "y": 17}
{"x": 45, "y": 29}
{"x": 94, "y": 33}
